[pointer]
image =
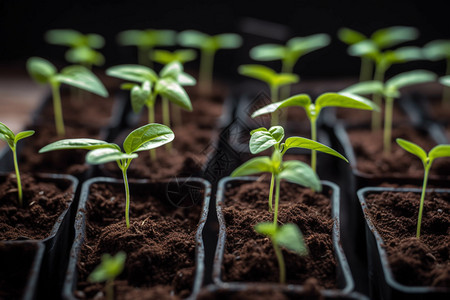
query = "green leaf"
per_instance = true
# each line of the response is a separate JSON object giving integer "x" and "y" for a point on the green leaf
{"x": 173, "y": 91}
{"x": 88, "y": 144}
{"x": 227, "y": 40}
{"x": 439, "y": 151}
{"x": 413, "y": 149}
{"x": 303, "y": 45}
{"x": 344, "y": 100}
{"x": 106, "y": 155}
{"x": 267, "y": 75}
{"x": 128, "y": 86}
{"x": 174, "y": 70}
{"x": 364, "y": 48}
{"x": 350, "y": 36}
{"x": 300, "y": 173}
{"x": 147, "y": 38}
{"x": 299, "y": 142}
{"x": 109, "y": 268}
{"x": 147, "y": 137}
{"x": 23, "y": 134}
{"x": 445, "y": 80}
{"x": 254, "y": 166}
{"x": 133, "y": 72}
{"x": 391, "y": 36}
{"x": 290, "y": 237}
{"x": 302, "y": 100}
{"x": 410, "y": 78}
{"x": 437, "y": 50}
{"x": 364, "y": 88}
{"x": 193, "y": 38}
{"x": 409, "y": 53}
{"x": 140, "y": 95}
{"x": 40, "y": 69}
{"x": 65, "y": 37}
{"x": 83, "y": 78}
{"x": 264, "y": 139}
{"x": 268, "y": 52}
{"x": 266, "y": 228}
{"x": 6, "y": 132}
{"x": 85, "y": 55}
{"x": 95, "y": 41}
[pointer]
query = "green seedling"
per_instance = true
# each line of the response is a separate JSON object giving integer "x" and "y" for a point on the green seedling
{"x": 82, "y": 46}
{"x": 390, "y": 91}
{"x": 109, "y": 268}
{"x": 287, "y": 236}
{"x": 313, "y": 109}
{"x": 80, "y": 77}
{"x": 440, "y": 50}
{"x": 208, "y": 46}
{"x": 11, "y": 139}
{"x": 380, "y": 39}
{"x": 290, "y": 53}
{"x": 146, "y": 41}
{"x": 168, "y": 84}
{"x": 144, "y": 138}
{"x": 427, "y": 160}
{"x": 271, "y": 78}
{"x": 292, "y": 170}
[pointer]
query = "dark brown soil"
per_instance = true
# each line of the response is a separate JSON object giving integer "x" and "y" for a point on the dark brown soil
{"x": 160, "y": 244}
{"x": 368, "y": 147}
{"x": 44, "y": 202}
{"x": 250, "y": 256}
{"x": 414, "y": 262}
{"x": 16, "y": 261}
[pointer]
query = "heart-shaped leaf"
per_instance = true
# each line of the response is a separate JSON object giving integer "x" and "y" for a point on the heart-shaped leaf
{"x": 264, "y": 139}
{"x": 147, "y": 137}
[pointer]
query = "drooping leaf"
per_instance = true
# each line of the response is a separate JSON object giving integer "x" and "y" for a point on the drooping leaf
{"x": 173, "y": 91}
{"x": 300, "y": 142}
{"x": 303, "y": 45}
{"x": 106, "y": 155}
{"x": 136, "y": 73}
{"x": 350, "y": 36}
{"x": 302, "y": 100}
{"x": 290, "y": 237}
{"x": 344, "y": 100}
{"x": 83, "y": 78}
{"x": 253, "y": 166}
{"x": 147, "y": 137}
{"x": 413, "y": 149}
{"x": 40, "y": 69}
{"x": 140, "y": 95}
{"x": 391, "y": 36}
{"x": 88, "y": 144}
{"x": 23, "y": 134}
{"x": 439, "y": 151}
{"x": 300, "y": 173}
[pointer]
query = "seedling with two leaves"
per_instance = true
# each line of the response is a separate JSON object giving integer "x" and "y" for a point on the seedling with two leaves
{"x": 108, "y": 270}
{"x": 313, "y": 109}
{"x": 390, "y": 90}
{"x": 82, "y": 46}
{"x": 80, "y": 77}
{"x": 208, "y": 45}
{"x": 11, "y": 139}
{"x": 144, "y": 138}
{"x": 427, "y": 160}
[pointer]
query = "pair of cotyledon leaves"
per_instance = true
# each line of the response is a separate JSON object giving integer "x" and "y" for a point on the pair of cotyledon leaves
{"x": 426, "y": 158}
{"x": 10, "y": 138}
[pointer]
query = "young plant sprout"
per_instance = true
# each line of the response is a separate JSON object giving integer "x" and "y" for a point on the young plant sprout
{"x": 288, "y": 236}
{"x": 144, "y": 138}
{"x": 45, "y": 72}
{"x": 11, "y": 139}
{"x": 290, "y": 53}
{"x": 390, "y": 91}
{"x": 292, "y": 170}
{"x": 208, "y": 46}
{"x": 380, "y": 39}
{"x": 82, "y": 46}
{"x": 146, "y": 41}
{"x": 427, "y": 160}
{"x": 109, "y": 268}
{"x": 274, "y": 81}
{"x": 440, "y": 50}
{"x": 168, "y": 84}
{"x": 313, "y": 109}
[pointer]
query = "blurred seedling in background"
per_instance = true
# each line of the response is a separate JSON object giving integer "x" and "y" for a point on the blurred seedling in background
{"x": 108, "y": 270}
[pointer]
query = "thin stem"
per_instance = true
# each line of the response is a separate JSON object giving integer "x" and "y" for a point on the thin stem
{"x": 285, "y": 91}
{"x": 206, "y": 70}
{"x": 281, "y": 264}
{"x": 19, "y": 183}
{"x": 277, "y": 198}
{"x": 388, "y": 124}
{"x": 274, "y": 98}
{"x": 57, "y": 109}
{"x": 127, "y": 193}
{"x": 422, "y": 198}
{"x": 166, "y": 118}
{"x": 272, "y": 179}
{"x": 446, "y": 92}
{"x": 143, "y": 56}
{"x": 314, "y": 138}
{"x": 366, "y": 69}
{"x": 376, "y": 116}
{"x": 109, "y": 287}
{"x": 151, "y": 119}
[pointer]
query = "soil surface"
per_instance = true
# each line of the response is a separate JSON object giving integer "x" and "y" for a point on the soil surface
{"x": 43, "y": 203}
{"x": 250, "y": 257}
{"x": 16, "y": 261}
{"x": 414, "y": 262}
{"x": 368, "y": 148}
{"x": 160, "y": 243}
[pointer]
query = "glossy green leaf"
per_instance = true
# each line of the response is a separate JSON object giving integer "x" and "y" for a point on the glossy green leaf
{"x": 6, "y": 132}
{"x": 364, "y": 88}
{"x": 290, "y": 237}
{"x": 173, "y": 91}
{"x": 253, "y": 166}
{"x": 437, "y": 50}
{"x": 268, "y": 229}
{"x": 132, "y": 72}
{"x": 300, "y": 142}
{"x": 413, "y": 149}
{"x": 391, "y": 36}
{"x": 106, "y": 155}
{"x": 83, "y": 78}
{"x": 87, "y": 144}
{"x": 192, "y": 38}
{"x": 109, "y": 268}
{"x": 140, "y": 95}
{"x": 23, "y": 134}
{"x": 302, "y": 100}
{"x": 40, "y": 69}
{"x": 65, "y": 37}
{"x": 227, "y": 40}
{"x": 344, "y": 100}
{"x": 268, "y": 52}
{"x": 439, "y": 151}
{"x": 350, "y": 36}
{"x": 300, "y": 173}
{"x": 264, "y": 139}
{"x": 410, "y": 78}
{"x": 364, "y": 48}
{"x": 445, "y": 80}
{"x": 147, "y": 137}
{"x": 308, "y": 43}
{"x": 171, "y": 70}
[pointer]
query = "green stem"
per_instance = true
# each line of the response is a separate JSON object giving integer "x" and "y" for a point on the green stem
{"x": 151, "y": 119}
{"x": 206, "y": 70}
{"x": 166, "y": 118}
{"x": 274, "y": 98}
{"x": 376, "y": 115}
{"x": 271, "y": 193}
{"x": 366, "y": 69}
{"x": 388, "y": 124}
{"x": 422, "y": 198}
{"x": 57, "y": 109}
{"x": 446, "y": 92}
{"x": 314, "y": 138}
{"x": 285, "y": 91}
{"x": 143, "y": 56}
{"x": 281, "y": 264}
{"x": 127, "y": 193}
{"x": 277, "y": 198}
{"x": 19, "y": 183}
{"x": 109, "y": 287}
